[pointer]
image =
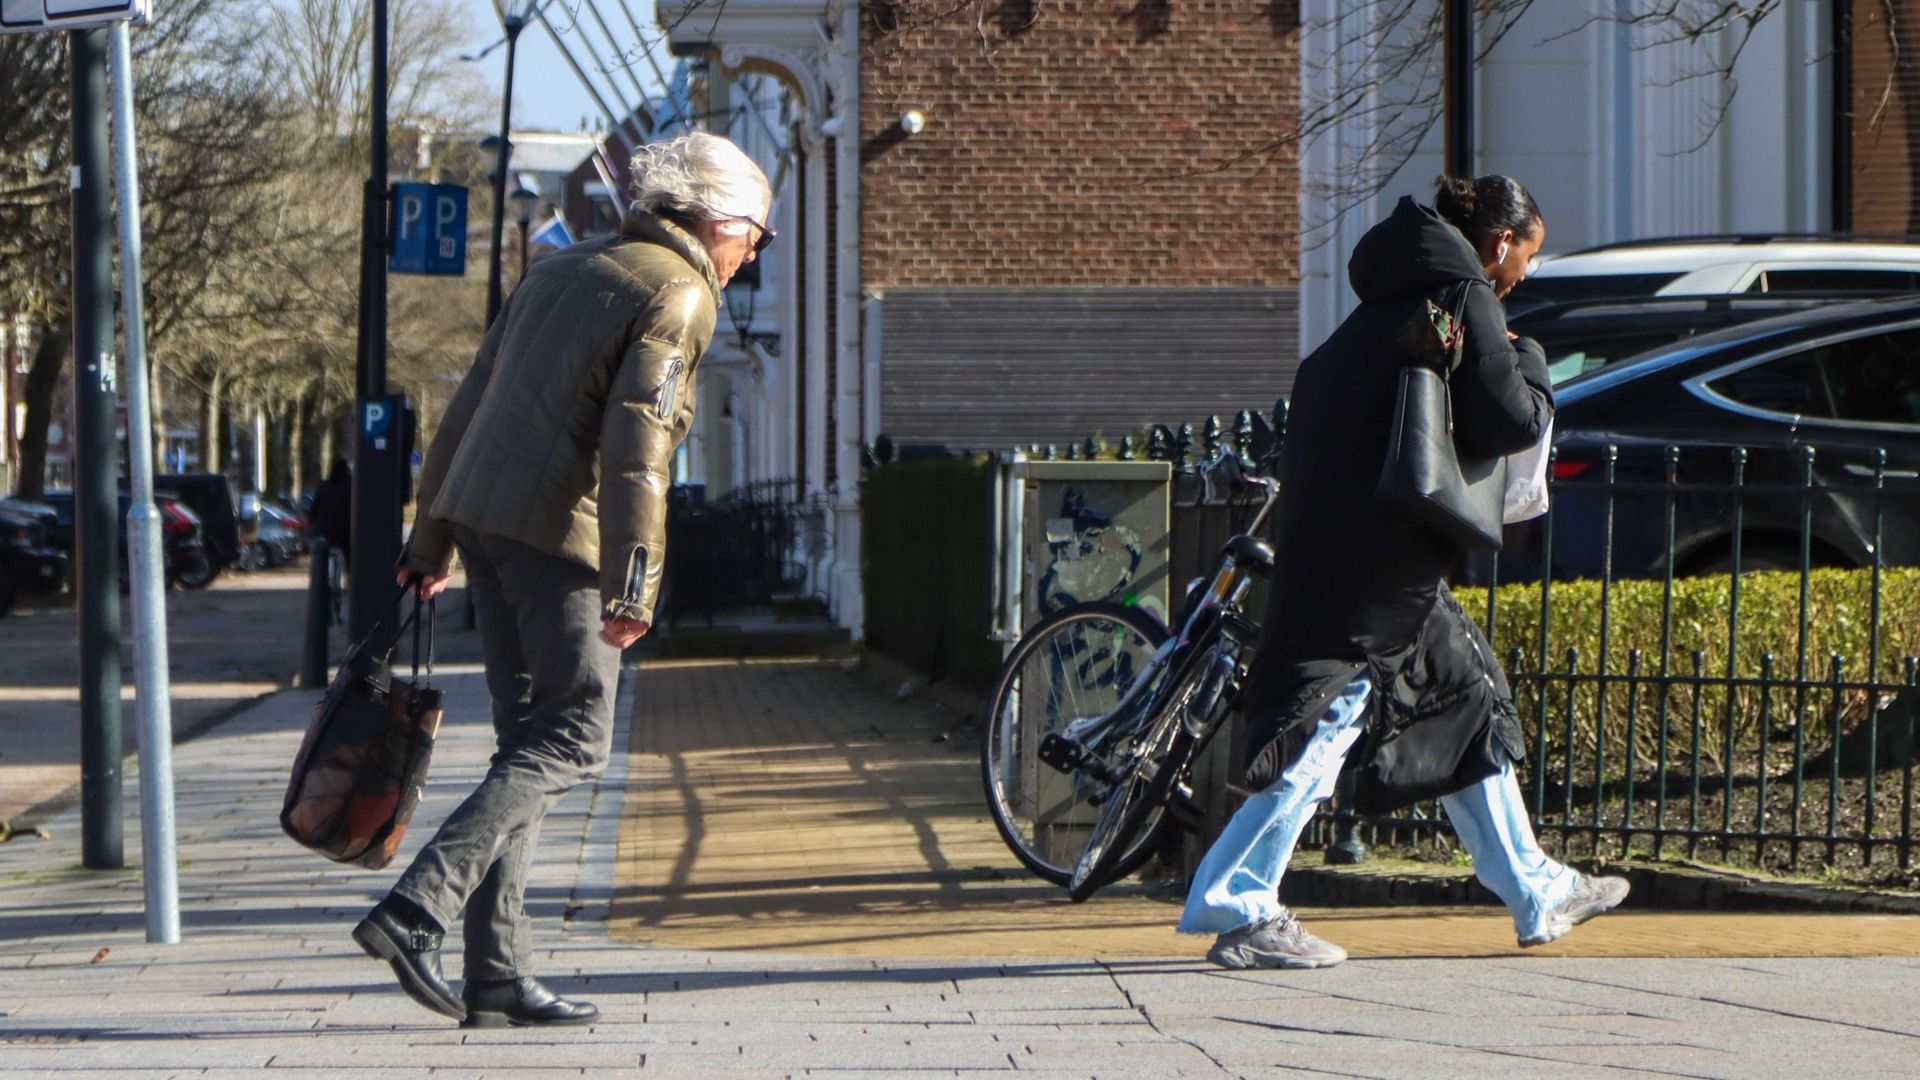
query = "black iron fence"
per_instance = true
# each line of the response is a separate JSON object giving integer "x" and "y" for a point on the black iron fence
{"x": 1747, "y": 688}
{"x": 740, "y": 550}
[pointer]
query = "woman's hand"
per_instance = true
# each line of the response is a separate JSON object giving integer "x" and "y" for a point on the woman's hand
{"x": 424, "y": 586}
{"x": 621, "y": 633}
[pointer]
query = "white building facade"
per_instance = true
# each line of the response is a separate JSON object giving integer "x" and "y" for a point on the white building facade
{"x": 785, "y": 393}
{"x": 1617, "y": 134}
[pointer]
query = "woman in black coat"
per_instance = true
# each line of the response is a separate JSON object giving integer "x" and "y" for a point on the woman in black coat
{"x": 1360, "y": 621}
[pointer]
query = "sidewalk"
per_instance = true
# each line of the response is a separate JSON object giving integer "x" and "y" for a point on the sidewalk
{"x": 806, "y": 811}
{"x": 267, "y": 979}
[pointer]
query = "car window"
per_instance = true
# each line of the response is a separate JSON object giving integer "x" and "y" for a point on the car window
{"x": 1849, "y": 279}
{"x": 1555, "y": 290}
{"x": 1573, "y": 355}
{"x": 1877, "y": 378}
{"x": 1792, "y": 385}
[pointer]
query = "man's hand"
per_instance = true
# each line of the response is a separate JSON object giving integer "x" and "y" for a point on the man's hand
{"x": 621, "y": 633}
{"x": 424, "y": 586}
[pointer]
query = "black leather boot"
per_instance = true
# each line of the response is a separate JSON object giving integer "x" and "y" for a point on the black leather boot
{"x": 394, "y": 932}
{"x": 521, "y": 1002}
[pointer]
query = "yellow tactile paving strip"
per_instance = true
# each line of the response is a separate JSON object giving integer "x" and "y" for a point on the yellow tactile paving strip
{"x": 784, "y": 806}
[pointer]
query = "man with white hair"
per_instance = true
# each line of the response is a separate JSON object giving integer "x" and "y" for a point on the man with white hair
{"x": 549, "y": 475}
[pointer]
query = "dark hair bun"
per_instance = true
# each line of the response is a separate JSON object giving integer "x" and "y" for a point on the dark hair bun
{"x": 1455, "y": 198}
{"x": 1488, "y": 204}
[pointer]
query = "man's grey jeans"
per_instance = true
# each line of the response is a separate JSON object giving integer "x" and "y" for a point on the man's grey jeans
{"x": 553, "y": 683}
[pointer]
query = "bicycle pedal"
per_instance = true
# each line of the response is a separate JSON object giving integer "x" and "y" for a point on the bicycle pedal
{"x": 1064, "y": 755}
{"x": 1184, "y": 809}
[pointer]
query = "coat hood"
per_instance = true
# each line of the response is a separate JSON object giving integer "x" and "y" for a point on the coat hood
{"x": 1414, "y": 251}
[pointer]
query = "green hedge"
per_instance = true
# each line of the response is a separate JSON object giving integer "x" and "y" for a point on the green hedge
{"x": 1839, "y": 622}
{"x": 927, "y": 565}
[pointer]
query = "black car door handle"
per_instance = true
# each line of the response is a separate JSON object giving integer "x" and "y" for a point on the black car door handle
{"x": 1896, "y": 474}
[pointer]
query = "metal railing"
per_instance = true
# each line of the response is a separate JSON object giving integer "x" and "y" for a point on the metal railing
{"x": 1746, "y": 691}
{"x": 740, "y": 550}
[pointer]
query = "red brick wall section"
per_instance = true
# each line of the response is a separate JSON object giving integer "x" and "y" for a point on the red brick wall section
{"x": 1885, "y": 116}
{"x": 1063, "y": 140}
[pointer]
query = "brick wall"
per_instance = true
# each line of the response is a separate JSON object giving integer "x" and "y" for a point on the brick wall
{"x": 1885, "y": 116}
{"x": 1060, "y": 137}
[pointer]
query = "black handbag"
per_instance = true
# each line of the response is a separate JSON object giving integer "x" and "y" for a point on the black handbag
{"x": 1425, "y": 477}
{"x": 363, "y": 763}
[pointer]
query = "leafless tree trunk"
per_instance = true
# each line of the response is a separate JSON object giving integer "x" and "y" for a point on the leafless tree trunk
{"x": 43, "y": 378}
{"x": 212, "y": 439}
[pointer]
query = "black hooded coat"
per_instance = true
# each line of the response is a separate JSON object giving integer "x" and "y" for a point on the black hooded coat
{"x": 1357, "y": 586}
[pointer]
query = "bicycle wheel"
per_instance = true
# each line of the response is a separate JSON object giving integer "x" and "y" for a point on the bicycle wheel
{"x": 1074, "y": 664}
{"x": 1133, "y": 812}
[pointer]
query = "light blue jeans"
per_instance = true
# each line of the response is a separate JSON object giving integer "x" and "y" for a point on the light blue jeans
{"x": 1238, "y": 882}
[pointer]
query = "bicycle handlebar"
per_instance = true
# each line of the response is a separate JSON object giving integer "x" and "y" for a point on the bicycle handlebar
{"x": 1228, "y": 463}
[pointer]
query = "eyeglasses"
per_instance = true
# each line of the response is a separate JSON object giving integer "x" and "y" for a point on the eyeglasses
{"x": 761, "y": 242}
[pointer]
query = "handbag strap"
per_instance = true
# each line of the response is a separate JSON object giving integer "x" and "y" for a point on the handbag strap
{"x": 1459, "y": 314}
{"x": 432, "y": 607}
{"x": 379, "y": 624}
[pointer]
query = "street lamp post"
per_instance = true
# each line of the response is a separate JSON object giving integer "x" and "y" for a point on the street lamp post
{"x": 523, "y": 203}
{"x": 513, "y": 18}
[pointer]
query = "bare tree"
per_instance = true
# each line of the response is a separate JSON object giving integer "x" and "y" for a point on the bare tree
{"x": 324, "y": 48}
{"x": 205, "y": 116}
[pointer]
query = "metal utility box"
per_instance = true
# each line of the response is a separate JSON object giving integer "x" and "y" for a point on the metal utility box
{"x": 1072, "y": 531}
{"x": 1068, "y": 532}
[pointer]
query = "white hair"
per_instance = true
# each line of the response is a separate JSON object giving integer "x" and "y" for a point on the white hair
{"x": 701, "y": 176}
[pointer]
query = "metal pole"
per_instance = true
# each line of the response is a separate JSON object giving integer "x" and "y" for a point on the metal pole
{"x": 1840, "y": 55}
{"x": 1459, "y": 88}
{"x": 313, "y": 667}
{"x": 505, "y": 148}
{"x": 619, "y": 123}
{"x": 95, "y": 500}
{"x": 157, "y": 858}
{"x": 614, "y": 59}
{"x": 376, "y": 488}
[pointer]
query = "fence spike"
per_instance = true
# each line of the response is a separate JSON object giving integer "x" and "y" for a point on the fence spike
{"x": 1073, "y": 451}
{"x": 1210, "y": 438}
{"x": 1127, "y": 452}
{"x": 1183, "y": 450}
{"x": 1094, "y": 448}
{"x": 1159, "y": 443}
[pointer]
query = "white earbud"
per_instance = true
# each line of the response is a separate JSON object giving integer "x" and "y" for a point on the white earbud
{"x": 1501, "y": 255}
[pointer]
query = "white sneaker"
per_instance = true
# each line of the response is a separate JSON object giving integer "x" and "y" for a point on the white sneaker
{"x": 1279, "y": 942}
{"x": 1590, "y": 896}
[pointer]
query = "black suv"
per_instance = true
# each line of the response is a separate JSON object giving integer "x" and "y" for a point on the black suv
{"x": 29, "y": 565}
{"x": 210, "y": 497}
{"x": 182, "y": 550}
{"x": 1843, "y": 380}
{"x": 1585, "y": 335}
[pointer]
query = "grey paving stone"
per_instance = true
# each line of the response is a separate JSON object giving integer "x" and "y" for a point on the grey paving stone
{"x": 268, "y": 984}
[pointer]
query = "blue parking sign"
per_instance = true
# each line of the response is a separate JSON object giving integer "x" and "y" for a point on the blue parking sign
{"x": 429, "y": 229}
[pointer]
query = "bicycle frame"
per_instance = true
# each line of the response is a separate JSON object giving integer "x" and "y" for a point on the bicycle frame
{"x": 1217, "y": 606}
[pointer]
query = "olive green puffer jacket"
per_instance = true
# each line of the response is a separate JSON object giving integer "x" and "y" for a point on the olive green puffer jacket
{"x": 562, "y": 436}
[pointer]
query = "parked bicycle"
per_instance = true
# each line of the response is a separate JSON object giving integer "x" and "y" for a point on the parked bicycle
{"x": 1099, "y": 713}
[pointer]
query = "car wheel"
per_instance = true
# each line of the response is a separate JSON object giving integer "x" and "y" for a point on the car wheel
{"x": 198, "y": 574}
{"x": 1756, "y": 559}
{"x": 9, "y": 592}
